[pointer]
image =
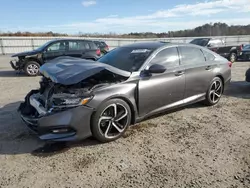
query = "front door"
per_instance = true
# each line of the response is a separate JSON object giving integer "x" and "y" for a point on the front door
{"x": 161, "y": 91}
{"x": 56, "y": 49}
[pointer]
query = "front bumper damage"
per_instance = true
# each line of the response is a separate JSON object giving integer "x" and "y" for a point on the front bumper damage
{"x": 67, "y": 125}
{"x": 14, "y": 65}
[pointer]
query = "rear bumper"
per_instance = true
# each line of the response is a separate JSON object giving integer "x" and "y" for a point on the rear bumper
{"x": 68, "y": 125}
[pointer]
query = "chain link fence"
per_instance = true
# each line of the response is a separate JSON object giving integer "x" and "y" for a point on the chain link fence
{"x": 11, "y": 45}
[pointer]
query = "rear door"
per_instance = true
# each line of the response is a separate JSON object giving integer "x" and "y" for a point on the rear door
{"x": 198, "y": 71}
{"x": 75, "y": 49}
{"x": 162, "y": 91}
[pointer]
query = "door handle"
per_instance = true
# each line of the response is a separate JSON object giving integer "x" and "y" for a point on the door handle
{"x": 179, "y": 73}
{"x": 208, "y": 68}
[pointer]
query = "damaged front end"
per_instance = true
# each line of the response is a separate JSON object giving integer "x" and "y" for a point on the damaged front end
{"x": 61, "y": 112}
{"x": 17, "y": 63}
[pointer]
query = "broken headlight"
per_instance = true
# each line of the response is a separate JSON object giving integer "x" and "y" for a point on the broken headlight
{"x": 70, "y": 102}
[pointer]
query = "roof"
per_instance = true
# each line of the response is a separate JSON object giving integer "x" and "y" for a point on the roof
{"x": 67, "y": 39}
{"x": 154, "y": 45}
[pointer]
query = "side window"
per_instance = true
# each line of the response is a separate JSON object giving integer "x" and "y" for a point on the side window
{"x": 73, "y": 45}
{"x": 191, "y": 55}
{"x": 84, "y": 45}
{"x": 92, "y": 45}
{"x": 58, "y": 46}
{"x": 168, "y": 57}
{"x": 208, "y": 56}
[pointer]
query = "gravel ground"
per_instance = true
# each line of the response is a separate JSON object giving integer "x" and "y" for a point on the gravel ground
{"x": 195, "y": 146}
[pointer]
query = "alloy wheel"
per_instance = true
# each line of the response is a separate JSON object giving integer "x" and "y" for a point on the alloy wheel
{"x": 215, "y": 91}
{"x": 32, "y": 69}
{"x": 113, "y": 120}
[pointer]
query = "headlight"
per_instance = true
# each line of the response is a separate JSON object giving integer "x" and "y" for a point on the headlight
{"x": 70, "y": 102}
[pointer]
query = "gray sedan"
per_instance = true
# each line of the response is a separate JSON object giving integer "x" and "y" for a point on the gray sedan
{"x": 79, "y": 98}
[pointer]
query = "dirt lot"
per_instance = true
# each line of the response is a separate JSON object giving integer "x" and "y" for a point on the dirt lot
{"x": 193, "y": 147}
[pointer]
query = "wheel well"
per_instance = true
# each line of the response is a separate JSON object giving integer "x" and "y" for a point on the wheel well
{"x": 130, "y": 106}
{"x": 33, "y": 59}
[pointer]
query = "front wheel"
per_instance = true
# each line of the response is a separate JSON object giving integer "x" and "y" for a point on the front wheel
{"x": 32, "y": 68}
{"x": 214, "y": 92}
{"x": 111, "y": 120}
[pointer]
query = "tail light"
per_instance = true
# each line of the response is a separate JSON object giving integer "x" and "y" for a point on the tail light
{"x": 98, "y": 52}
{"x": 230, "y": 64}
{"x": 241, "y": 47}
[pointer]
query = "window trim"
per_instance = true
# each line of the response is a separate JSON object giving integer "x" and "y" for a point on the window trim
{"x": 59, "y": 41}
{"x": 181, "y": 57}
{"x": 152, "y": 56}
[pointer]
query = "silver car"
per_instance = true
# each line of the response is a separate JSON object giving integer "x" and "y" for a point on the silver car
{"x": 79, "y": 98}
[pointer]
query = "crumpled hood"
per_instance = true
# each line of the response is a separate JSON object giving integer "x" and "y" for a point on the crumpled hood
{"x": 67, "y": 70}
{"x": 26, "y": 53}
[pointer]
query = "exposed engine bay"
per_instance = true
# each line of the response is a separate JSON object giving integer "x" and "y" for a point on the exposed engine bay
{"x": 52, "y": 97}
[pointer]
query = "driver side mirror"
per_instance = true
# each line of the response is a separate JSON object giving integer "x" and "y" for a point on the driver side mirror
{"x": 156, "y": 68}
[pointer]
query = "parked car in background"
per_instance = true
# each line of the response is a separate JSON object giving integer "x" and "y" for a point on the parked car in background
{"x": 219, "y": 46}
{"x": 103, "y": 46}
{"x": 125, "y": 86}
{"x": 31, "y": 61}
{"x": 245, "y": 53}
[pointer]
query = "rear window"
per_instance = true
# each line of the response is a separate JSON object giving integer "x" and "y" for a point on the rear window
{"x": 208, "y": 56}
{"x": 92, "y": 45}
{"x": 200, "y": 42}
{"x": 126, "y": 58}
{"x": 191, "y": 55}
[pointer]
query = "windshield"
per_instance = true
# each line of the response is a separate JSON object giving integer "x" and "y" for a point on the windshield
{"x": 200, "y": 42}
{"x": 126, "y": 58}
{"x": 44, "y": 45}
{"x": 246, "y": 47}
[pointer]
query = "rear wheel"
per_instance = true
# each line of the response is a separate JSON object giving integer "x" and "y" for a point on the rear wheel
{"x": 32, "y": 68}
{"x": 214, "y": 92}
{"x": 111, "y": 120}
{"x": 233, "y": 57}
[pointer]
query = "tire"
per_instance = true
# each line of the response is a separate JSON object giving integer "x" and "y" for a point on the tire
{"x": 32, "y": 68}
{"x": 105, "y": 126}
{"x": 233, "y": 57}
{"x": 214, "y": 92}
{"x": 248, "y": 75}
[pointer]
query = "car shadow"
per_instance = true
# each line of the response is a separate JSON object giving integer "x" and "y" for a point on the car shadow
{"x": 16, "y": 138}
{"x": 11, "y": 73}
{"x": 238, "y": 89}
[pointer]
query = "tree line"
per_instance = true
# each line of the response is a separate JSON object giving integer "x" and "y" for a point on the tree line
{"x": 216, "y": 29}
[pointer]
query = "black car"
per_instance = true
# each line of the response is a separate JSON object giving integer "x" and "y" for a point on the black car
{"x": 103, "y": 46}
{"x": 78, "y": 98}
{"x": 245, "y": 53}
{"x": 219, "y": 46}
{"x": 31, "y": 61}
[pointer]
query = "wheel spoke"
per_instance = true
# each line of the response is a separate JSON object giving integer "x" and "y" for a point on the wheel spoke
{"x": 105, "y": 118}
{"x": 117, "y": 127}
{"x": 218, "y": 95}
{"x": 213, "y": 97}
{"x": 108, "y": 129}
{"x": 122, "y": 116}
{"x": 218, "y": 88}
